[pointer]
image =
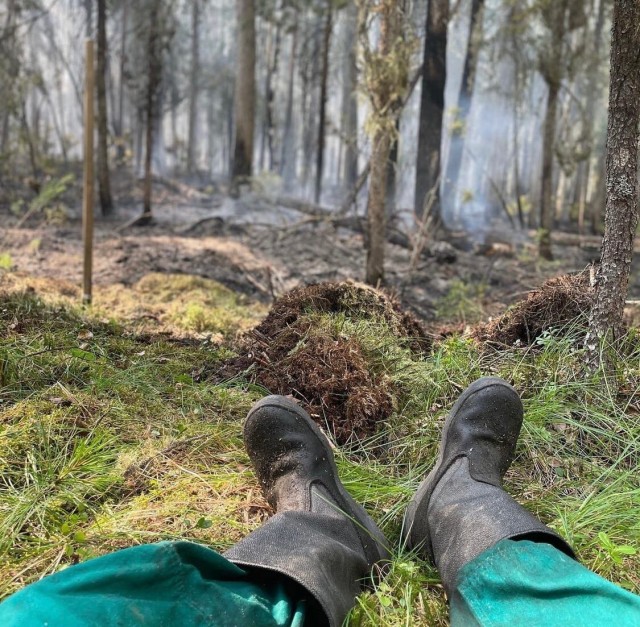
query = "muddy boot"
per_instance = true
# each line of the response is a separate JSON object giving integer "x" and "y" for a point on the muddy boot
{"x": 460, "y": 509}
{"x": 320, "y": 537}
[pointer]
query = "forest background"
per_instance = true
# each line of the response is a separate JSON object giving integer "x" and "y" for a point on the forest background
{"x": 457, "y": 152}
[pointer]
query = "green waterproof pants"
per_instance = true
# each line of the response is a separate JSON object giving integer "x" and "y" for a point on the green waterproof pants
{"x": 184, "y": 584}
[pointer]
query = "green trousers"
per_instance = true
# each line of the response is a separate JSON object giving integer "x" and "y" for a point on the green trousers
{"x": 184, "y": 584}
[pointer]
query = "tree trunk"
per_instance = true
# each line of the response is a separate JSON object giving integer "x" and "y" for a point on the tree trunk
{"x": 311, "y": 70}
{"x": 546, "y": 206}
{"x": 154, "y": 61}
{"x": 211, "y": 130}
{"x": 193, "y": 86}
{"x": 434, "y": 75}
{"x": 120, "y": 150}
{"x": 245, "y": 91}
{"x": 621, "y": 217}
{"x": 323, "y": 103}
{"x": 381, "y": 145}
{"x": 392, "y": 171}
{"x": 13, "y": 67}
{"x": 270, "y": 93}
{"x": 592, "y": 84}
{"x": 88, "y": 25}
{"x": 106, "y": 203}
{"x": 349, "y": 99}
{"x": 376, "y": 214}
{"x": 288, "y": 160}
{"x": 456, "y": 150}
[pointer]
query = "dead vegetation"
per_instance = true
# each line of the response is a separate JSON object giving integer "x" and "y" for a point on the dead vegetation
{"x": 557, "y": 303}
{"x": 291, "y": 352}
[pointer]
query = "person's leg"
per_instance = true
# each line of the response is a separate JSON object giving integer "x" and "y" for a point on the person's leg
{"x": 168, "y": 583}
{"x": 532, "y": 583}
{"x": 306, "y": 564}
{"x": 463, "y": 521}
{"x": 320, "y": 537}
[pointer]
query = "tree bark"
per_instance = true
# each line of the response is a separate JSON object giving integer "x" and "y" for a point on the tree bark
{"x": 456, "y": 150}
{"x": 245, "y": 91}
{"x": 392, "y": 171}
{"x": 193, "y": 86}
{"x": 120, "y": 149}
{"x": 621, "y": 217}
{"x": 381, "y": 145}
{"x": 288, "y": 160}
{"x": 106, "y": 202}
{"x": 349, "y": 99}
{"x": 434, "y": 76}
{"x": 154, "y": 75}
{"x": 270, "y": 95}
{"x": 323, "y": 103}
{"x": 13, "y": 69}
{"x": 548, "y": 139}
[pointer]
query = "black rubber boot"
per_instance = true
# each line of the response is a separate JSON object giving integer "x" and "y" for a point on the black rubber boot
{"x": 320, "y": 537}
{"x": 460, "y": 509}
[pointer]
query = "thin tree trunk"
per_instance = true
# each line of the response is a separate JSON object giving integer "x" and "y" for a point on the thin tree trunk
{"x": 106, "y": 203}
{"x": 546, "y": 207}
{"x": 456, "y": 150}
{"x": 434, "y": 75}
{"x": 288, "y": 161}
{"x": 376, "y": 214}
{"x": 349, "y": 99}
{"x": 153, "y": 80}
{"x": 120, "y": 148}
{"x": 272, "y": 71}
{"x": 13, "y": 68}
{"x": 323, "y": 103}
{"x": 245, "y": 91}
{"x": 621, "y": 218}
{"x": 211, "y": 130}
{"x": 193, "y": 86}
{"x": 392, "y": 171}
{"x": 591, "y": 104}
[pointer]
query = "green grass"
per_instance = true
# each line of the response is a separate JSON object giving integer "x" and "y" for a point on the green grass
{"x": 109, "y": 439}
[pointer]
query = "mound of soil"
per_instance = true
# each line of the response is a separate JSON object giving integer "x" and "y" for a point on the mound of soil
{"x": 556, "y": 303}
{"x": 327, "y": 373}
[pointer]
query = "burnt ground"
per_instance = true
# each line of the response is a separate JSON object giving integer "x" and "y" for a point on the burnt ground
{"x": 261, "y": 249}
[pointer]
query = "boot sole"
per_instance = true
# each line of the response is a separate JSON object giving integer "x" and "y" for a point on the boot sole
{"x": 428, "y": 484}
{"x": 355, "y": 512}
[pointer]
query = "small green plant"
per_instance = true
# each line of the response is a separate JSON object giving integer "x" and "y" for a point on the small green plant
{"x": 617, "y": 552}
{"x": 47, "y": 201}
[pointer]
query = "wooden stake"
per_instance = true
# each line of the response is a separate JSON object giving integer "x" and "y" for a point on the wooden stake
{"x": 87, "y": 196}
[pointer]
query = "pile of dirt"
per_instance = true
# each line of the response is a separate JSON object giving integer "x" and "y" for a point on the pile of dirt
{"x": 556, "y": 303}
{"x": 328, "y": 373}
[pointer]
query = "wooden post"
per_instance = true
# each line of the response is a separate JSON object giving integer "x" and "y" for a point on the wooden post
{"x": 87, "y": 196}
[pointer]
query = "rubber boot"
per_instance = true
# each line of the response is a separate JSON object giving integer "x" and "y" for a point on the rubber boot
{"x": 320, "y": 537}
{"x": 460, "y": 509}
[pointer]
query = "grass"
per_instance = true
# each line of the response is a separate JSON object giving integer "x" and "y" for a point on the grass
{"x": 110, "y": 438}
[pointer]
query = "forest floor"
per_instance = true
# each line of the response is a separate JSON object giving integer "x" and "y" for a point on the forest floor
{"x": 261, "y": 249}
{"x": 122, "y": 424}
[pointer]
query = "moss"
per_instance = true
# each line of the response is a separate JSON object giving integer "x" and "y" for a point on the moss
{"x": 182, "y": 304}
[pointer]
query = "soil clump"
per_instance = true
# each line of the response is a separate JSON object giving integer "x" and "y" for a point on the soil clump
{"x": 290, "y": 353}
{"x": 558, "y": 302}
